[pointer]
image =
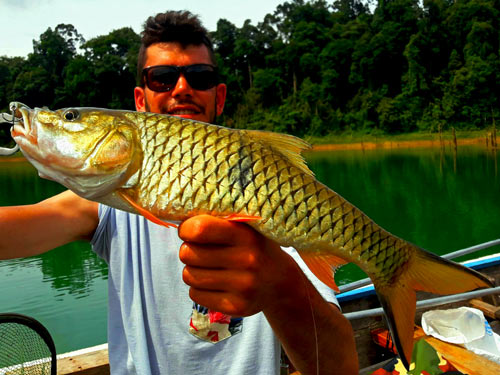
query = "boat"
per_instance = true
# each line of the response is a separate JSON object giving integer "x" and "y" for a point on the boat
{"x": 88, "y": 361}
{"x": 360, "y": 305}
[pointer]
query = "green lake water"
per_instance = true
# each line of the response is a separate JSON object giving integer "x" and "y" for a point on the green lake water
{"x": 431, "y": 198}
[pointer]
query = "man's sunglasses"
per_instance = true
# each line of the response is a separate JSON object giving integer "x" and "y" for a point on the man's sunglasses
{"x": 162, "y": 78}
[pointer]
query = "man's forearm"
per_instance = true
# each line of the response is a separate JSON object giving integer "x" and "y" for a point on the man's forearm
{"x": 314, "y": 333}
{"x": 33, "y": 229}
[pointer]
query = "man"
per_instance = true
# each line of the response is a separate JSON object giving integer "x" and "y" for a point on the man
{"x": 229, "y": 270}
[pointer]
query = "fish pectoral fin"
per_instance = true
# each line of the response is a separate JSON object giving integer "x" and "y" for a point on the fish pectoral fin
{"x": 148, "y": 215}
{"x": 323, "y": 266}
{"x": 240, "y": 218}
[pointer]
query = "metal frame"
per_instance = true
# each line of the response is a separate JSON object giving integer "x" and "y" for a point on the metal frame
{"x": 36, "y": 326}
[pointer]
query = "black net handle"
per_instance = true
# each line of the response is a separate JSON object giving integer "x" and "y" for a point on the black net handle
{"x": 36, "y": 326}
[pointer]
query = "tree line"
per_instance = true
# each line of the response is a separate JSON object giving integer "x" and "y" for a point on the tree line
{"x": 309, "y": 68}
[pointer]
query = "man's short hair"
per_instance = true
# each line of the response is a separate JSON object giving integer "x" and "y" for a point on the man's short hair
{"x": 173, "y": 26}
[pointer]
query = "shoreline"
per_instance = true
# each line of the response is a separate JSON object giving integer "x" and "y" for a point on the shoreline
{"x": 12, "y": 159}
{"x": 369, "y": 145}
{"x": 388, "y": 144}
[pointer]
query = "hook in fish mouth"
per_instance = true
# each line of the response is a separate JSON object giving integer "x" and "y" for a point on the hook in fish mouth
{"x": 17, "y": 109}
{"x": 13, "y": 119}
{"x": 15, "y": 115}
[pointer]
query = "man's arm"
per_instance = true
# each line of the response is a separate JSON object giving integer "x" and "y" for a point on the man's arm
{"x": 33, "y": 229}
{"x": 233, "y": 269}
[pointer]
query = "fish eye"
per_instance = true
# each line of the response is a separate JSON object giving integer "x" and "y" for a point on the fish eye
{"x": 71, "y": 114}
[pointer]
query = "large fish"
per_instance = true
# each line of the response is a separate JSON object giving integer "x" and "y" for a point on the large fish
{"x": 168, "y": 168}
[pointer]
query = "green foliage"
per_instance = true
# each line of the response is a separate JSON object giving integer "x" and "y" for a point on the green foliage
{"x": 311, "y": 68}
{"x": 425, "y": 359}
{"x": 64, "y": 70}
{"x": 10, "y": 68}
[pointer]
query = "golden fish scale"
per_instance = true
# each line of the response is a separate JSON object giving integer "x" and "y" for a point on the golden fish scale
{"x": 191, "y": 168}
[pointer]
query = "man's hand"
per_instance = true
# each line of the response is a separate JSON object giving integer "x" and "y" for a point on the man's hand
{"x": 230, "y": 267}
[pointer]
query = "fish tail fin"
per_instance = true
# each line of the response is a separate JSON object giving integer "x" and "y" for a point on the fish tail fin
{"x": 425, "y": 272}
{"x": 399, "y": 306}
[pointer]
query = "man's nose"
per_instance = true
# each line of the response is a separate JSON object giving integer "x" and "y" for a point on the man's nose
{"x": 182, "y": 87}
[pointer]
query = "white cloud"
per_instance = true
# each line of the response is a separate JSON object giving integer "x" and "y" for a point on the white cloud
{"x": 23, "y": 4}
{"x": 24, "y": 20}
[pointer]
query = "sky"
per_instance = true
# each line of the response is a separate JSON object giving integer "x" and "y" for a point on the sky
{"x": 24, "y": 20}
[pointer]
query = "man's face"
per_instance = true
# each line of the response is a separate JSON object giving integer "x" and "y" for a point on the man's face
{"x": 182, "y": 100}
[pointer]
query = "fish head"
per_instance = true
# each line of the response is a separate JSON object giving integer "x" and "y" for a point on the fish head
{"x": 91, "y": 151}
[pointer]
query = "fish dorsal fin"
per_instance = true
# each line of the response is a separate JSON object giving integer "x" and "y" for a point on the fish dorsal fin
{"x": 323, "y": 266}
{"x": 288, "y": 145}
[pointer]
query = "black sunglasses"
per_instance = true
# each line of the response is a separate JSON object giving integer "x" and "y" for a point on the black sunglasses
{"x": 162, "y": 78}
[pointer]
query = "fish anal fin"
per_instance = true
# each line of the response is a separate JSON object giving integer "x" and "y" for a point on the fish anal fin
{"x": 323, "y": 266}
{"x": 240, "y": 218}
{"x": 147, "y": 214}
{"x": 399, "y": 303}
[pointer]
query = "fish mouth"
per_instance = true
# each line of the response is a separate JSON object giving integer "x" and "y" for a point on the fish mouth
{"x": 23, "y": 129}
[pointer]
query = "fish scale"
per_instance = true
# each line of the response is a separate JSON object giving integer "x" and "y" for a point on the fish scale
{"x": 167, "y": 168}
{"x": 237, "y": 171}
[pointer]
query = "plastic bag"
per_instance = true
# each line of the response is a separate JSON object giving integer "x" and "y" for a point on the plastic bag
{"x": 465, "y": 326}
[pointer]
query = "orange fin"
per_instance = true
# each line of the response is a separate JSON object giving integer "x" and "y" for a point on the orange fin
{"x": 399, "y": 304}
{"x": 427, "y": 272}
{"x": 241, "y": 218}
{"x": 323, "y": 266}
{"x": 148, "y": 215}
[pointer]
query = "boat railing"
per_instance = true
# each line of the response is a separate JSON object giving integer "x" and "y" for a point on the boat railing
{"x": 433, "y": 302}
{"x": 453, "y": 255}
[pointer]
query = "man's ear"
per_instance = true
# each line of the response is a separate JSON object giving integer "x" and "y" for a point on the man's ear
{"x": 221, "y": 97}
{"x": 140, "y": 99}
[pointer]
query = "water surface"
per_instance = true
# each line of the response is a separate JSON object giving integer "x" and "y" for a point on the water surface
{"x": 430, "y": 198}
{"x": 66, "y": 288}
{"x": 434, "y": 198}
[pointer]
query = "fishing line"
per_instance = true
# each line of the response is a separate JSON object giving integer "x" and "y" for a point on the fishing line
{"x": 316, "y": 342}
